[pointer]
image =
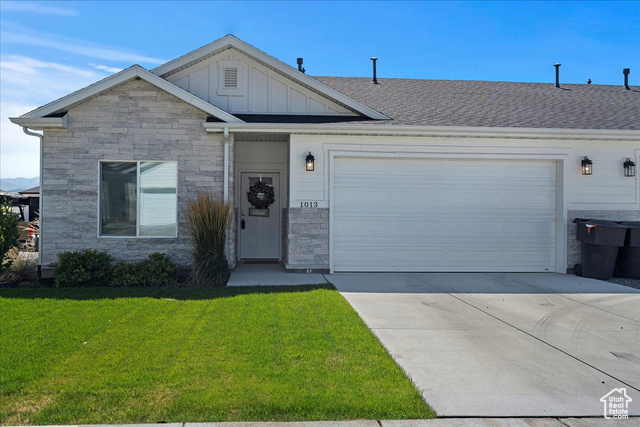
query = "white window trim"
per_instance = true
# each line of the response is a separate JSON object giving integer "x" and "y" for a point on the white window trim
{"x": 137, "y": 236}
{"x": 235, "y": 91}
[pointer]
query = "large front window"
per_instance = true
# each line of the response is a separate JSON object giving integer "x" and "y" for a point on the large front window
{"x": 138, "y": 199}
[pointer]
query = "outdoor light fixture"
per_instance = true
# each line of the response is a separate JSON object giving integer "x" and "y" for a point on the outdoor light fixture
{"x": 310, "y": 162}
{"x": 629, "y": 168}
{"x": 587, "y": 166}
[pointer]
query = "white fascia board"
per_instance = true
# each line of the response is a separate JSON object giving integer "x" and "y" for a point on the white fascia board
{"x": 260, "y": 56}
{"x": 41, "y": 123}
{"x": 443, "y": 131}
{"x": 130, "y": 73}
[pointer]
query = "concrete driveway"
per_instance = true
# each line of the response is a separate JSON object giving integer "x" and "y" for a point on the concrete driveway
{"x": 512, "y": 344}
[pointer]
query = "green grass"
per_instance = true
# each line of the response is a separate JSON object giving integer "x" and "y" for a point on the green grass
{"x": 82, "y": 356}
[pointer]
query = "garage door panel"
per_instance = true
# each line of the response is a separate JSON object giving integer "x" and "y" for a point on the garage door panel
{"x": 443, "y": 215}
{"x": 444, "y": 260}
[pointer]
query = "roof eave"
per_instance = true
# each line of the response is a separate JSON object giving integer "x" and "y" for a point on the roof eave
{"x": 446, "y": 131}
{"x": 41, "y": 123}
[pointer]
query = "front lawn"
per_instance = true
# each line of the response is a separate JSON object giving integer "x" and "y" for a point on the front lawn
{"x": 105, "y": 355}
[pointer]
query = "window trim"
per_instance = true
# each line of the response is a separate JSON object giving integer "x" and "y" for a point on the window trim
{"x": 137, "y": 236}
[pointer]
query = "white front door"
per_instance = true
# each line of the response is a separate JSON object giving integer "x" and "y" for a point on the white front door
{"x": 259, "y": 229}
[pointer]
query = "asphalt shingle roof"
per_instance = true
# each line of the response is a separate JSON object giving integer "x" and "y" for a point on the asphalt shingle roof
{"x": 494, "y": 104}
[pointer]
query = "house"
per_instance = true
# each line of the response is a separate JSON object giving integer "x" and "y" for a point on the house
{"x": 398, "y": 175}
{"x": 32, "y": 196}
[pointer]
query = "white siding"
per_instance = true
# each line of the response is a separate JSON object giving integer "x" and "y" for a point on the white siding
{"x": 606, "y": 189}
{"x": 263, "y": 90}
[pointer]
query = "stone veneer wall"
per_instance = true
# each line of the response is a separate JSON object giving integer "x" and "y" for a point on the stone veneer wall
{"x": 574, "y": 248}
{"x": 285, "y": 240}
{"x": 133, "y": 121}
{"x": 308, "y": 238}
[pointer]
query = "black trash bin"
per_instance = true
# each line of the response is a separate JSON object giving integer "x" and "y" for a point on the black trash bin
{"x": 600, "y": 242}
{"x": 629, "y": 255}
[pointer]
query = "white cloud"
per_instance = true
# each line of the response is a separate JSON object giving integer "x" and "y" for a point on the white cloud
{"x": 40, "y": 7}
{"x": 106, "y": 68}
{"x": 25, "y": 84}
{"x": 17, "y": 34}
{"x": 19, "y": 153}
{"x": 27, "y": 65}
{"x": 24, "y": 78}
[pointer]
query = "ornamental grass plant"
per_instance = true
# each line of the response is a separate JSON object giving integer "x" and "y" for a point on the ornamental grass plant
{"x": 207, "y": 220}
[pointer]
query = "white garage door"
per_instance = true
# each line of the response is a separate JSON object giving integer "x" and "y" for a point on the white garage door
{"x": 443, "y": 215}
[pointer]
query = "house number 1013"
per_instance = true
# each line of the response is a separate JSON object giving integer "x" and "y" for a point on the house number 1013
{"x": 308, "y": 204}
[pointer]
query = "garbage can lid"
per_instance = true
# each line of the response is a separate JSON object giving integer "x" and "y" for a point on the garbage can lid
{"x": 602, "y": 222}
{"x": 631, "y": 224}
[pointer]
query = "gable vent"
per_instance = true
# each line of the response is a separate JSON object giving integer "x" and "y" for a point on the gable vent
{"x": 230, "y": 77}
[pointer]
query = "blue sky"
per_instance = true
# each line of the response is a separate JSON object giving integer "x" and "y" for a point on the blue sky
{"x": 49, "y": 49}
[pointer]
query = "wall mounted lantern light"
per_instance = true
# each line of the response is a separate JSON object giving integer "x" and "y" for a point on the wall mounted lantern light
{"x": 587, "y": 166}
{"x": 629, "y": 168}
{"x": 310, "y": 160}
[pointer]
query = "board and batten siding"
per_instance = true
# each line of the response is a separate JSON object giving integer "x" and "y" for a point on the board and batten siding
{"x": 261, "y": 90}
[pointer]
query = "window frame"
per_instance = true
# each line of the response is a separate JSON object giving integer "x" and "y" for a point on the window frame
{"x": 138, "y": 165}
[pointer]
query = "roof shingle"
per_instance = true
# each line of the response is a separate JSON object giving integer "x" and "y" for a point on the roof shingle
{"x": 494, "y": 104}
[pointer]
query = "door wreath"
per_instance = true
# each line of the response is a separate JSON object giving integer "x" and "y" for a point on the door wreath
{"x": 261, "y": 195}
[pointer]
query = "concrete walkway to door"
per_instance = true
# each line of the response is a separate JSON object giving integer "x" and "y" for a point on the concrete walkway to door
{"x": 270, "y": 275}
{"x": 493, "y": 345}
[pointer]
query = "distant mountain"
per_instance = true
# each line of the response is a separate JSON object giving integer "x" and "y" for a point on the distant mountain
{"x": 18, "y": 184}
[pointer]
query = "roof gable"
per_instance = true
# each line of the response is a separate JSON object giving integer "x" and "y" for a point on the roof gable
{"x": 65, "y": 103}
{"x": 269, "y": 67}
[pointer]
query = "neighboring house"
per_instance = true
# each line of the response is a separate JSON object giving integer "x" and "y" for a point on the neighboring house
{"x": 32, "y": 196}
{"x": 407, "y": 175}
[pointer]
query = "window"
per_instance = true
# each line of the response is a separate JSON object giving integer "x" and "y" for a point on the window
{"x": 138, "y": 199}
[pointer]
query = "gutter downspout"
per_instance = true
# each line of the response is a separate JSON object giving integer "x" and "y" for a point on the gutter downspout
{"x": 41, "y": 138}
{"x": 226, "y": 191}
{"x": 226, "y": 164}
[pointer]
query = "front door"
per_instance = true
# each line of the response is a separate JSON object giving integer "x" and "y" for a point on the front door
{"x": 259, "y": 227}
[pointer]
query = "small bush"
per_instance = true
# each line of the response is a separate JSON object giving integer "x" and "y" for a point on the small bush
{"x": 207, "y": 221}
{"x": 83, "y": 268}
{"x": 8, "y": 231}
{"x": 125, "y": 274}
{"x": 156, "y": 270}
{"x": 21, "y": 267}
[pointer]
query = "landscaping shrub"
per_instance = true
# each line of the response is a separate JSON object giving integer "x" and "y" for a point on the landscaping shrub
{"x": 207, "y": 220}
{"x": 21, "y": 267}
{"x": 156, "y": 270}
{"x": 83, "y": 268}
{"x": 125, "y": 274}
{"x": 8, "y": 231}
